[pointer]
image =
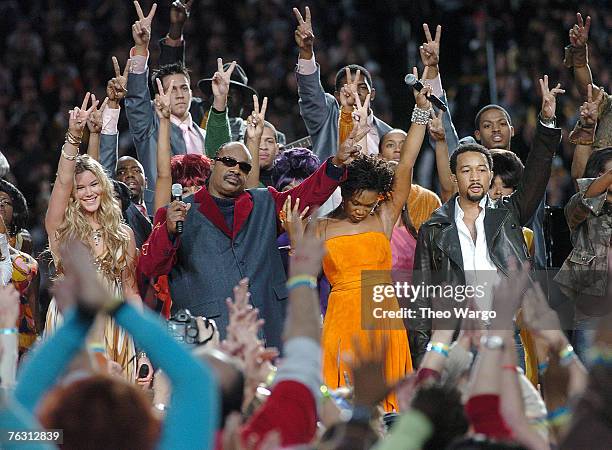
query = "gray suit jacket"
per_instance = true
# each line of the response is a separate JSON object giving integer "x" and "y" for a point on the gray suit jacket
{"x": 321, "y": 113}
{"x": 144, "y": 125}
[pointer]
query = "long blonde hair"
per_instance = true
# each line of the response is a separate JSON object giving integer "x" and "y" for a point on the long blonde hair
{"x": 108, "y": 215}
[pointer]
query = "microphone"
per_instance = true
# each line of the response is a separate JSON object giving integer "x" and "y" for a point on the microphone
{"x": 414, "y": 82}
{"x": 177, "y": 194}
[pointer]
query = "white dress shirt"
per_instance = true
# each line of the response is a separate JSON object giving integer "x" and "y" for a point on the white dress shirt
{"x": 477, "y": 264}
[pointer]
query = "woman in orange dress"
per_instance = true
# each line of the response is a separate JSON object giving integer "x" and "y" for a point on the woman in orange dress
{"x": 357, "y": 236}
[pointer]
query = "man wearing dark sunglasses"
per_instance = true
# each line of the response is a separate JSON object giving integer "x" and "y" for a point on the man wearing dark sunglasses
{"x": 229, "y": 233}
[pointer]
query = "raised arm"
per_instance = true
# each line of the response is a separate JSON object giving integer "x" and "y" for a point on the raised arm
{"x": 255, "y": 126}
{"x": 317, "y": 188}
{"x": 195, "y": 392}
{"x": 164, "y": 152}
{"x": 533, "y": 183}
{"x": 116, "y": 89}
{"x": 62, "y": 188}
{"x": 430, "y": 57}
{"x": 577, "y": 53}
{"x": 402, "y": 179}
{"x": 140, "y": 112}
{"x": 217, "y": 127}
{"x": 583, "y": 133}
{"x": 172, "y": 46}
{"x": 94, "y": 124}
{"x": 315, "y": 106}
{"x": 437, "y": 134}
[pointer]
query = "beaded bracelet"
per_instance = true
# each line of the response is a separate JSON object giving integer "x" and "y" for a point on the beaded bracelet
{"x": 8, "y": 330}
{"x": 301, "y": 280}
{"x": 420, "y": 116}
{"x": 559, "y": 416}
{"x": 567, "y": 355}
{"x": 438, "y": 347}
{"x": 542, "y": 367}
{"x": 69, "y": 157}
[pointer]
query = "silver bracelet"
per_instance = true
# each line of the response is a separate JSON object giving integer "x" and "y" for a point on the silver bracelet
{"x": 421, "y": 116}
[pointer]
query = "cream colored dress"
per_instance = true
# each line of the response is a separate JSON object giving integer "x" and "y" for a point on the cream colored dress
{"x": 117, "y": 343}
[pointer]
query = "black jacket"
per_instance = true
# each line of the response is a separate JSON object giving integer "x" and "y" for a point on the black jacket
{"x": 438, "y": 257}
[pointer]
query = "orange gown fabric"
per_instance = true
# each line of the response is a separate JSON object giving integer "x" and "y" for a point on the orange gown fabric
{"x": 347, "y": 256}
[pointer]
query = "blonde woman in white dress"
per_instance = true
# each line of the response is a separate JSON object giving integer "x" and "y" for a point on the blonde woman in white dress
{"x": 82, "y": 207}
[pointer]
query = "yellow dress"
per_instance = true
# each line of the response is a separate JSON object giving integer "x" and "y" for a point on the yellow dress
{"x": 347, "y": 256}
{"x": 118, "y": 344}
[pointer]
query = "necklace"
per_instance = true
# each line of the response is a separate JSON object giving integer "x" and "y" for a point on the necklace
{"x": 97, "y": 237}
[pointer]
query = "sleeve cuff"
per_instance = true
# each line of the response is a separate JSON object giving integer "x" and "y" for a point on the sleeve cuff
{"x": 139, "y": 62}
{"x": 333, "y": 172}
{"x": 593, "y": 204}
{"x": 436, "y": 85}
{"x": 306, "y": 66}
{"x": 110, "y": 119}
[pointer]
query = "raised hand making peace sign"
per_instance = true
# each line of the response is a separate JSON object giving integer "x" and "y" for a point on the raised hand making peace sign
{"x": 255, "y": 122}
{"x": 304, "y": 36}
{"x": 430, "y": 50}
{"x": 221, "y": 84}
{"x": 589, "y": 109}
{"x": 549, "y": 98}
{"x": 141, "y": 30}
{"x": 350, "y": 89}
{"x": 78, "y": 116}
{"x": 579, "y": 33}
{"x": 94, "y": 121}
{"x": 116, "y": 88}
{"x": 162, "y": 100}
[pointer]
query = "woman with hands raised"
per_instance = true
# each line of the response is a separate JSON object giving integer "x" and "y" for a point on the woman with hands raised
{"x": 82, "y": 206}
{"x": 357, "y": 238}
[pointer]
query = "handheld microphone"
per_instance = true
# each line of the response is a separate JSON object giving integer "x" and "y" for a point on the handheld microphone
{"x": 414, "y": 82}
{"x": 177, "y": 194}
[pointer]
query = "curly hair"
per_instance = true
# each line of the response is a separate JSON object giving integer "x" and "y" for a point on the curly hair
{"x": 190, "y": 169}
{"x": 367, "y": 172}
{"x": 294, "y": 164}
{"x": 20, "y": 207}
{"x": 75, "y": 225}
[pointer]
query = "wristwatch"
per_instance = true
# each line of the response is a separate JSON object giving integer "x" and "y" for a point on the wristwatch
{"x": 492, "y": 342}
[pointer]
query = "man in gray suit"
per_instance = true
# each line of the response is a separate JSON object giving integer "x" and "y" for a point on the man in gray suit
{"x": 321, "y": 111}
{"x": 185, "y": 135}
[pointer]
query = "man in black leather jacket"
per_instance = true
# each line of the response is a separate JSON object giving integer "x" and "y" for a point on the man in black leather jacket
{"x": 439, "y": 257}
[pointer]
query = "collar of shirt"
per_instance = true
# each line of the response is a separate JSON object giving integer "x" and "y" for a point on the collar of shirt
{"x": 459, "y": 212}
{"x": 188, "y": 121}
{"x": 373, "y": 139}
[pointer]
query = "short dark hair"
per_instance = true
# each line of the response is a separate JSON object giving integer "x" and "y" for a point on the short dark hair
{"x": 168, "y": 69}
{"x": 508, "y": 167}
{"x": 20, "y": 207}
{"x": 488, "y": 107}
{"x": 597, "y": 162}
{"x": 353, "y": 68}
{"x": 367, "y": 172}
{"x": 464, "y": 148}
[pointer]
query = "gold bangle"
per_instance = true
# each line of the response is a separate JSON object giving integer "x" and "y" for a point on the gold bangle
{"x": 72, "y": 139}
{"x": 67, "y": 156}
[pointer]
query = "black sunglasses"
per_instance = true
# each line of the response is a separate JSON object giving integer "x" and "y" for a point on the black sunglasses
{"x": 231, "y": 162}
